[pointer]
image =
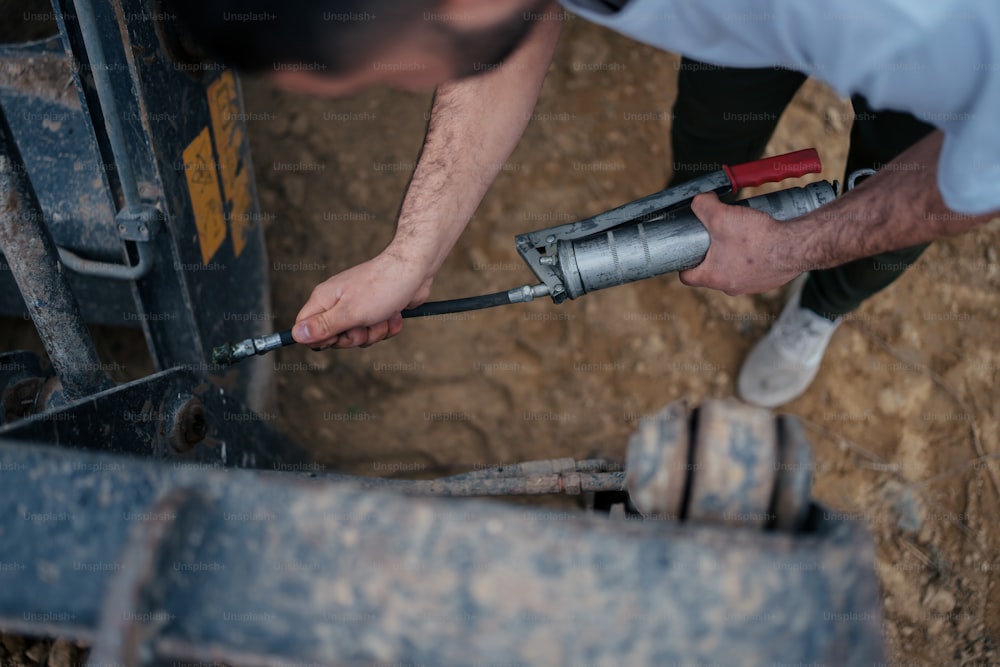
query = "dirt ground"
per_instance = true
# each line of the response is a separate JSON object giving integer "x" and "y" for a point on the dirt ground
{"x": 903, "y": 416}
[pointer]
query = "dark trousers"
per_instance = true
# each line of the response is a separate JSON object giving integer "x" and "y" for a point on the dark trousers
{"x": 727, "y": 116}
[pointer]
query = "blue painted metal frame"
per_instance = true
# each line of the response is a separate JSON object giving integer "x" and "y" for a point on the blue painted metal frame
{"x": 183, "y": 305}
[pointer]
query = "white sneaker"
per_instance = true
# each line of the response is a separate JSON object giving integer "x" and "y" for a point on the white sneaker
{"x": 783, "y": 364}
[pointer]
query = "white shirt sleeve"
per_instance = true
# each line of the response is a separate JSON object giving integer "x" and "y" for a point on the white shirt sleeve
{"x": 936, "y": 59}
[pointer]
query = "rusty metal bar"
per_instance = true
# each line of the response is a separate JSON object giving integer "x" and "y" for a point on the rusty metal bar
{"x": 542, "y": 467}
{"x": 31, "y": 253}
{"x": 570, "y": 483}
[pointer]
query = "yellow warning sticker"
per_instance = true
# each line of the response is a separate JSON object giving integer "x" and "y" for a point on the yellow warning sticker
{"x": 206, "y": 200}
{"x": 234, "y": 151}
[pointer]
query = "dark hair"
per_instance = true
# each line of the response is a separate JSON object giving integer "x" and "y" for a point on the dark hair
{"x": 255, "y": 35}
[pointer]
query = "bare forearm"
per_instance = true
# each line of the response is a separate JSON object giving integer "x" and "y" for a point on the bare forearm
{"x": 475, "y": 125}
{"x": 899, "y": 207}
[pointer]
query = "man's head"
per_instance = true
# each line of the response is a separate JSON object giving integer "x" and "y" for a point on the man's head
{"x": 333, "y": 47}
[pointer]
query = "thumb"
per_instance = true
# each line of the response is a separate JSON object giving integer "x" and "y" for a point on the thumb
{"x": 707, "y": 207}
{"x": 316, "y": 328}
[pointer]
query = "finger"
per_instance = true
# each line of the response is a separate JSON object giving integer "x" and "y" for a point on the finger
{"x": 352, "y": 338}
{"x": 707, "y": 207}
{"x": 395, "y": 325}
{"x": 324, "y": 344}
{"x": 690, "y": 278}
{"x": 376, "y": 333}
{"x": 696, "y": 275}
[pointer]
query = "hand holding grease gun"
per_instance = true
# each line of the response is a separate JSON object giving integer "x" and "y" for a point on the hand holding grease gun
{"x": 648, "y": 237}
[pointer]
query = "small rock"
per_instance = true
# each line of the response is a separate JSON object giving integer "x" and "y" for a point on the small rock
{"x": 654, "y": 345}
{"x": 926, "y": 534}
{"x": 720, "y": 380}
{"x": 61, "y": 654}
{"x": 312, "y": 393}
{"x": 834, "y": 119}
{"x": 906, "y": 506}
{"x": 911, "y": 334}
{"x": 940, "y": 601}
{"x": 889, "y": 401}
{"x": 37, "y": 652}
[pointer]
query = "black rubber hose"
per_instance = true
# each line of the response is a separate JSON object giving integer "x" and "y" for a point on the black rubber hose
{"x": 459, "y": 305}
{"x": 224, "y": 355}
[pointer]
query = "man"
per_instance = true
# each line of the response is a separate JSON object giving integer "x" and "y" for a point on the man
{"x": 937, "y": 60}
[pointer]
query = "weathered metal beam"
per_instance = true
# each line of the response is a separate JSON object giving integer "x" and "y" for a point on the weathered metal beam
{"x": 254, "y": 568}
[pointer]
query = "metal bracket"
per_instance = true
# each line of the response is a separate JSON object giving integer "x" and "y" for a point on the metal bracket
{"x": 141, "y": 225}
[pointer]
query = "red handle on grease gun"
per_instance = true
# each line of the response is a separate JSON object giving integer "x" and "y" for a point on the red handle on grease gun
{"x": 774, "y": 169}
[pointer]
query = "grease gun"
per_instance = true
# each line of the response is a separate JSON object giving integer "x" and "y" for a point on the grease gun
{"x": 645, "y": 238}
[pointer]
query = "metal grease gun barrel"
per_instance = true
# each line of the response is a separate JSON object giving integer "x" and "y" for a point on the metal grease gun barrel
{"x": 646, "y": 249}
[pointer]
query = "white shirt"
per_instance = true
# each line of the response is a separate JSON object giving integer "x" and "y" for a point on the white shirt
{"x": 936, "y": 59}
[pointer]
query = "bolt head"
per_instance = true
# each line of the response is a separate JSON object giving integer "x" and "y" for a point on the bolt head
{"x": 190, "y": 426}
